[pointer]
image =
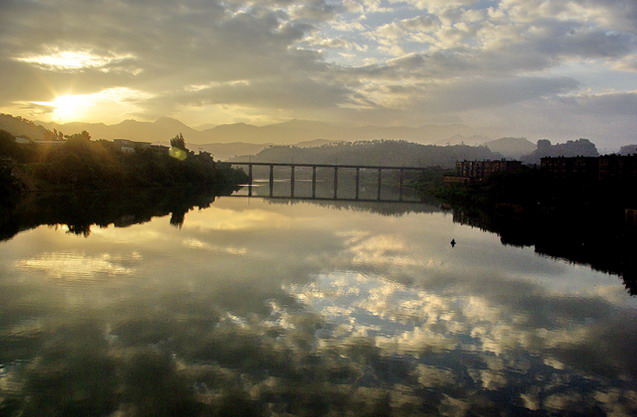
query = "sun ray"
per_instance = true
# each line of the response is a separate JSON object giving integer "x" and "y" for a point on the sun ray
{"x": 69, "y": 107}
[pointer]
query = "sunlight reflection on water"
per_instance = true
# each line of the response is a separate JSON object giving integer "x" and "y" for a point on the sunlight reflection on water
{"x": 298, "y": 308}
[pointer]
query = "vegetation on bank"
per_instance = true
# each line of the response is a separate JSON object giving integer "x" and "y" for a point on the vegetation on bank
{"x": 533, "y": 189}
{"x": 82, "y": 164}
{"x": 582, "y": 221}
{"x": 374, "y": 152}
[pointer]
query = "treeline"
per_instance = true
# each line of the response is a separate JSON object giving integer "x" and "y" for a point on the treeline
{"x": 81, "y": 211}
{"x": 536, "y": 190}
{"x": 579, "y": 220}
{"x": 82, "y": 164}
{"x": 377, "y": 152}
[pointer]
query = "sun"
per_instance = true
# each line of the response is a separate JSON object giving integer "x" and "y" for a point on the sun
{"x": 70, "y": 107}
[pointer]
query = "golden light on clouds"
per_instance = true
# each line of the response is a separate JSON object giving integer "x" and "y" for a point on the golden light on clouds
{"x": 70, "y": 107}
{"x": 78, "y": 266}
{"x": 556, "y": 69}
{"x": 71, "y": 60}
{"x": 75, "y": 107}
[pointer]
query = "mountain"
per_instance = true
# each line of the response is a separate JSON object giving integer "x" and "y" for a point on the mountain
{"x": 377, "y": 152}
{"x": 18, "y": 126}
{"x": 580, "y": 147}
{"x": 628, "y": 150}
{"x": 161, "y": 130}
{"x": 286, "y": 133}
{"x": 225, "y": 151}
{"x": 463, "y": 140}
{"x": 237, "y": 132}
{"x": 513, "y": 148}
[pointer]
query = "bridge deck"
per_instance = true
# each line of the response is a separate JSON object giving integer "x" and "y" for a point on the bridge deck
{"x": 293, "y": 164}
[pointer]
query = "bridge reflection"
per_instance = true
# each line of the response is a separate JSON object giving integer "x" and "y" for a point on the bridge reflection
{"x": 359, "y": 177}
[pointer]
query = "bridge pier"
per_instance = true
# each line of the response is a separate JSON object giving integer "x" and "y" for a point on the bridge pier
{"x": 250, "y": 180}
{"x": 358, "y": 178}
{"x": 314, "y": 181}
{"x": 335, "y": 181}
{"x": 379, "y": 181}
{"x": 292, "y": 181}
{"x": 271, "y": 180}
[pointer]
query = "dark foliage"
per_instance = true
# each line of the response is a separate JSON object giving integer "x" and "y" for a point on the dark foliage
{"x": 82, "y": 164}
{"x": 578, "y": 220}
{"x": 378, "y": 152}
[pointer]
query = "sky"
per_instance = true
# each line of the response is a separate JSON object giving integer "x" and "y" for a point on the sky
{"x": 561, "y": 69}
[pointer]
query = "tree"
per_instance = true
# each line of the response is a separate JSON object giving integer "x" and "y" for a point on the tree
{"x": 178, "y": 142}
{"x": 83, "y": 137}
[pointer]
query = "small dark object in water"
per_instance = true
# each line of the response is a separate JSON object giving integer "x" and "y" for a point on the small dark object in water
{"x": 453, "y": 242}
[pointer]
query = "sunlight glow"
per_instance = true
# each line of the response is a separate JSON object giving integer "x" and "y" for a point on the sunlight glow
{"x": 70, "y": 107}
{"x": 94, "y": 107}
{"x": 71, "y": 60}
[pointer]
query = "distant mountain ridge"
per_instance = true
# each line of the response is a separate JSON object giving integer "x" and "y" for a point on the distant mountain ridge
{"x": 376, "y": 152}
{"x": 513, "y": 148}
{"x": 19, "y": 126}
{"x": 286, "y": 133}
{"x": 232, "y": 140}
{"x": 579, "y": 147}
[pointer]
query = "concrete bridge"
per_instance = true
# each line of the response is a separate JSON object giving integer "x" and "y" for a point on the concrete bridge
{"x": 378, "y": 169}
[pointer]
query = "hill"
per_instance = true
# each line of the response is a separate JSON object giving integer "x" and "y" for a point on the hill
{"x": 580, "y": 147}
{"x": 159, "y": 131}
{"x": 19, "y": 126}
{"x": 513, "y": 148}
{"x": 286, "y": 133}
{"x": 381, "y": 152}
{"x": 225, "y": 151}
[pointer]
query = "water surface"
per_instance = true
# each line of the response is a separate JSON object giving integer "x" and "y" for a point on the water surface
{"x": 293, "y": 308}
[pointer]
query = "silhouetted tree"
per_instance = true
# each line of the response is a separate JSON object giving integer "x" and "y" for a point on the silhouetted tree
{"x": 178, "y": 142}
{"x": 79, "y": 137}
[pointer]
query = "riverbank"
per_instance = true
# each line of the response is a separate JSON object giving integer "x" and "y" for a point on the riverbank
{"x": 81, "y": 210}
{"x": 79, "y": 164}
{"x": 579, "y": 221}
{"x": 534, "y": 191}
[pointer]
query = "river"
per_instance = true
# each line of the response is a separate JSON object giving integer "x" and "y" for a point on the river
{"x": 257, "y": 307}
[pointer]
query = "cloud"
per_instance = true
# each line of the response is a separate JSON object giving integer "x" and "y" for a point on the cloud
{"x": 363, "y": 61}
{"x": 487, "y": 93}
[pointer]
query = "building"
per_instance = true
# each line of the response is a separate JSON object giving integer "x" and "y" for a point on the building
{"x": 478, "y": 170}
{"x": 619, "y": 167}
{"x": 130, "y": 146}
{"x": 606, "y": 167}
{"x": 583, "y": 167}
{"x": 23, "y": 140}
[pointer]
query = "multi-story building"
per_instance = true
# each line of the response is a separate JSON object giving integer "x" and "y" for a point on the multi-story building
{"x": 585, "y": 167}
{"x": 476, "y": 170}
{"x": 620, "y": 167}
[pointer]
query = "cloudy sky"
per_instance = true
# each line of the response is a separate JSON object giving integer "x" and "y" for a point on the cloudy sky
{"x": 561, "y": 69}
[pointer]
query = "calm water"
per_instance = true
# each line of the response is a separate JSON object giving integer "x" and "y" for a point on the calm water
{"x": 251, "y": 307}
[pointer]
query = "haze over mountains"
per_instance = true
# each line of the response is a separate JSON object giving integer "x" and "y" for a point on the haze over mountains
{"x": 287, "y": 133}
{"x": 234, "y": 140}
{"x": 243, "y": 139}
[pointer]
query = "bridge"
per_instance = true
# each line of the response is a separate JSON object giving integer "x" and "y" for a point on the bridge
{"x": 379, "y": 169}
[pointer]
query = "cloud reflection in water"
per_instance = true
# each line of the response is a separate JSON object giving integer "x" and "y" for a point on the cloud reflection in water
{"x": 303, "y": 309}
